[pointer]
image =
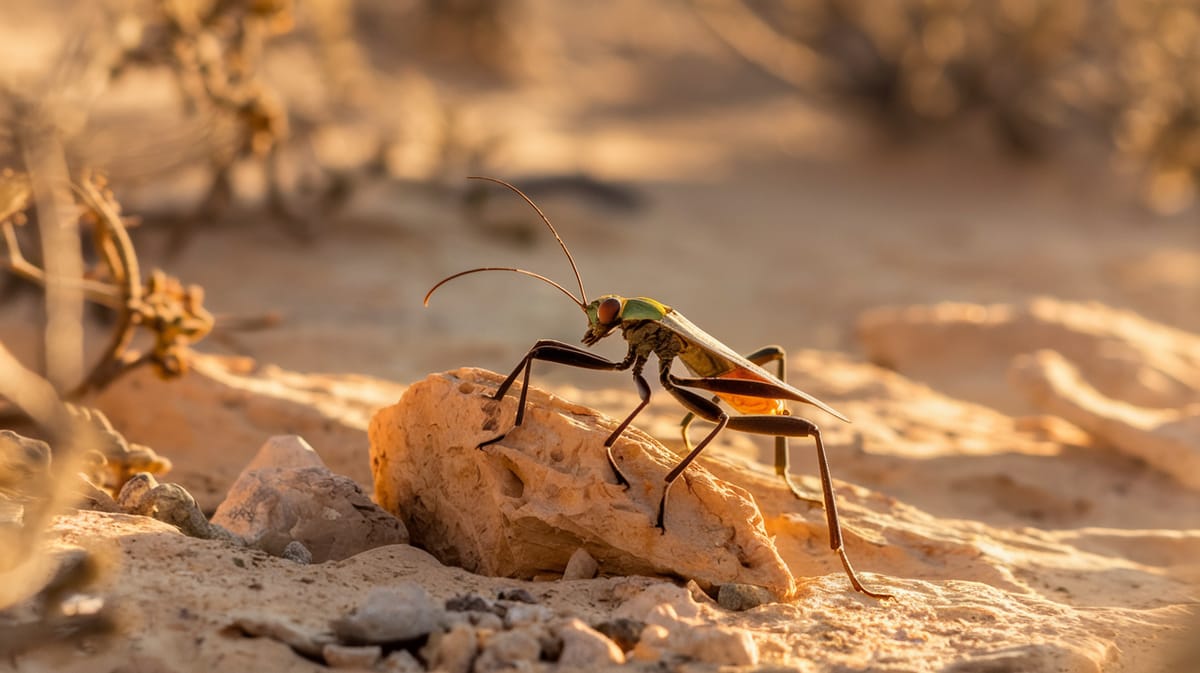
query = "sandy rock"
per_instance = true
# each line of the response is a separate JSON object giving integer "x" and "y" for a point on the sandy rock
{"x": 280, "y": 629}
{"x": 1166, "y": 439}
{"x": 286, "y": 495}
{"x": 523, "y": 614}
{"x": 581, "y": 566}
{"x": 964, "y": 349}
{"x": 296, "y": 551}
{"x": 525, "y": 504}
{"x": 169, "y": 503}
{"x": 508, "y": 650}
{"x": 583, "y": 646}
{"x": 452, "y": 651}
{"x": 400, "y": 661}
{"x": 389, "y": 614}
{"x": 738, "y": 597}
{"x": 663, "y": 604}
{"x": 653, "y": 645}
{"x": 719, "y": 645}
{"x": 347, "y": 656}
{"x": 623, "y": 631}
{"x": 285, "y": 451}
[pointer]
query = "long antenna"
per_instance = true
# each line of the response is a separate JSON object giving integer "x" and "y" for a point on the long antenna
{"x": 503, "y": 268}
{"x": 582, "y": 294}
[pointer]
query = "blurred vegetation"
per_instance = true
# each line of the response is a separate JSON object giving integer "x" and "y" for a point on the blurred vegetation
{"x": 1039, "y": 72}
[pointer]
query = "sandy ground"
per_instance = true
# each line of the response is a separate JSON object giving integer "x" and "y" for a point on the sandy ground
{"x": 765, "y": 220}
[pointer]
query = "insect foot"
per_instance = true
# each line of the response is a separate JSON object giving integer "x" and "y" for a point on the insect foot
{"x": 526, "y": 505}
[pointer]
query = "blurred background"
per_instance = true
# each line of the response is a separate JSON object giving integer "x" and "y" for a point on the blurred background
{"x": 771, "y": 169}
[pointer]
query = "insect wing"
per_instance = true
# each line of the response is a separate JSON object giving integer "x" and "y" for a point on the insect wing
{"x": 688, "y": 331}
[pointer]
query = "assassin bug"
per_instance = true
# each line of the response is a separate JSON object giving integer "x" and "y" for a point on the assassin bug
{"x": 651, "y": 327}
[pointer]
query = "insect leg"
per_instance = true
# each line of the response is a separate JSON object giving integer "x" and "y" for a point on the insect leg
{"x": 759, "y": 357}
{"x": 794, "y": 426}
{"x": 703, "y": 408}
{"x": 644, "y": 393}
{"x": 550, "y": 350}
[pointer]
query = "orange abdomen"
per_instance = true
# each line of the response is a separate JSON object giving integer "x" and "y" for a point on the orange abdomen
{"x": 751, "y": 405}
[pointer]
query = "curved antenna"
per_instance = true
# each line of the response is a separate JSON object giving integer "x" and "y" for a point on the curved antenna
{"x": 582, "y": 301}
{"x": 531, "y": 274}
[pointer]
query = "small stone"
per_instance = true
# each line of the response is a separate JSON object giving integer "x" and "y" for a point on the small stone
{"x": 719, "y": 645}
{"x": 508, "y": 649}
{"x": 517, "y": 595}
{"x": 390, "y": 614}
{"x": 285, "y": 451}
{"x": 345, "y": 656}
{"x": 452, "y": 651}
{"x": 328, "y": 513}
{"x": 275, "y": 628}
{"x": 297, "y": 552}
{"x": 664, "y": 604}
{"x": 170, "y": 503}
{"x": 581, "y": 566}
{"x": 652, "y": 646}
{"x": 486, "y": 621}
{"x": 583, "y": 646}
{"x": 739, "y": 597}
{"x": 624, "y": 632}
{"x": 474, "y": 603}
{"x": 521, "y": 514}
{"x": 523, "y": 614}
{"x": 400, "y": 661}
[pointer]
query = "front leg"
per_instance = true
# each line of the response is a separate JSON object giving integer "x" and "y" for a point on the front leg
{"x": 550, "y": 350}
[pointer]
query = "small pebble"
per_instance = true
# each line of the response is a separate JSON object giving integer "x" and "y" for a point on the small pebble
{"x": 516, "y": 595}
{"x": 581, "y": 566}
{"x": 507, "y": 650}
{"x": 622, "y": 631}
{"x": 345, "y": 656}
{"x": 389, "y": 614}
{"x": 474, "y": 603}
{"x": 297, "y": 552}
{"x": 452, "y": 651}
{"x": 719, "y": 645}
{"x": 739, "y": 597}
{"x": 400, "y": 661}
{"x": 652, "y": 646}
{"x": 584, "y": 647}
{"x": 524, "y": 615}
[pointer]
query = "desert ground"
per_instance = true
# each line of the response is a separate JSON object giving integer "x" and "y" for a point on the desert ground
{"x": 1015, "y": 339}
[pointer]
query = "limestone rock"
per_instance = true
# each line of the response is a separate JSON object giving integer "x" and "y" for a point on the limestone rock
{"x": 581, "y": 566}
{"x": 1166, "y": 439}
{"x": 350, "y": 656}
{"x": 964, "y": 349}
{"x": 583, "y": 646}
{"x": 286, "y": 495}
{"x": 169, "y": 503}
{"x": 523, "y": 505}
{"x": 508, "y": 650}
{"x": 452, "y": 651}
{"x": 390, "y": 614}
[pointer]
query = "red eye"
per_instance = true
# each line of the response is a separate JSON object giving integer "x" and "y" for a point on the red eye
{"x": 608, "y": 311}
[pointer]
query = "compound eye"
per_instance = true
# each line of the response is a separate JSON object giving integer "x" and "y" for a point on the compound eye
{"x": 608, "y": 310}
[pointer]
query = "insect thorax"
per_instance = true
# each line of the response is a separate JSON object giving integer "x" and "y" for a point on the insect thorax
{"x": 650, "y": 336}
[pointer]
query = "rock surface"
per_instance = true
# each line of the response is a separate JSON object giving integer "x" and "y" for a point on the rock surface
{"x": 524, "y": 505}
{"x": 965, "y": 349}
{"x": 1009, "y": 550}
{"x": 286, "y": 495}
{"x": 1167, "y": 439}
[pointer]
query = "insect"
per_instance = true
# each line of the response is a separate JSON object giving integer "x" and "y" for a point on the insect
{"x": 651, "y": 327}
